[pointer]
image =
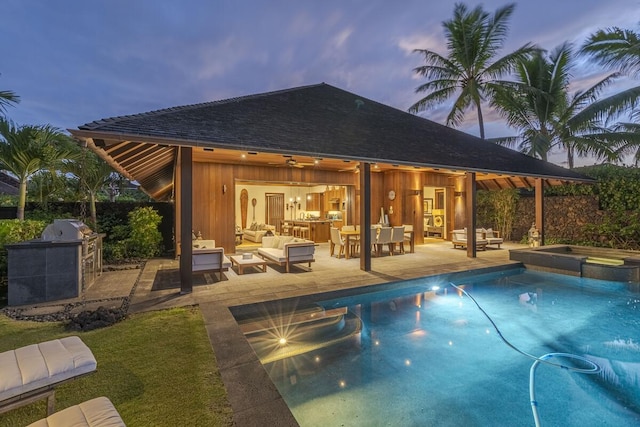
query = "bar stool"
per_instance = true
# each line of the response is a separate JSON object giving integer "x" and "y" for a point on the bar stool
{"x": 296, "y": 231}
{"x": 286, "y": 229}
{"x": 304, "y": 232}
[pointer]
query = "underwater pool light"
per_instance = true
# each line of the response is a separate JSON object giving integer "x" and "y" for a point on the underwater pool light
{"x": 435, "y": 288}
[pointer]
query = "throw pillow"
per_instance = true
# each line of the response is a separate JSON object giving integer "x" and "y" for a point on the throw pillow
{"x": 275, "y": 243}
{"x": 489, "y": 232}
{"x": 283, "y": 240}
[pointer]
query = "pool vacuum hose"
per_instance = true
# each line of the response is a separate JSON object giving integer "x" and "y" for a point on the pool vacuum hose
{"x": 593, "y": 368}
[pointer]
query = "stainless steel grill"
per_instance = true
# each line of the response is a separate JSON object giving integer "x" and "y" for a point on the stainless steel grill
{"x": 73, "y": 229}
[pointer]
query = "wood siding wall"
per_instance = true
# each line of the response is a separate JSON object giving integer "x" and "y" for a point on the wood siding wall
{"x": 213, "y": 207}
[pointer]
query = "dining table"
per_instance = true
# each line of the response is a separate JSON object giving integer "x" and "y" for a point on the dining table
{"x": 347, "y": 235}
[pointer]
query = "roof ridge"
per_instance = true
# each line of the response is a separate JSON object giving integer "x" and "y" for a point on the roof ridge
{"x": 97, "y": 123}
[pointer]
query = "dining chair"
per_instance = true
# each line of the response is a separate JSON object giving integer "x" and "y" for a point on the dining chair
{"x": 336, "y": 240}
{"x": 397, "y": 238}
{"x": 384, "y": 238}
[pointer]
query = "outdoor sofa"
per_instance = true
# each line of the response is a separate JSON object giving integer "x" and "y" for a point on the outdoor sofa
{"x": 459, "y": 239}
{"x": 287, "y": 250}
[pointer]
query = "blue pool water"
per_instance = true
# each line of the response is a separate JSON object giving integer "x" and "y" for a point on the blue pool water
{"x": 414, "y": 356}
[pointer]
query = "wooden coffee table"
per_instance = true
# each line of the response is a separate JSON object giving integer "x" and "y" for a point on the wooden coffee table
{"x": 242, "y": 263}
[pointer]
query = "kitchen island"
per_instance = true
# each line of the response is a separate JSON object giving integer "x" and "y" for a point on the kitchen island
{"x": 318, "y": 229}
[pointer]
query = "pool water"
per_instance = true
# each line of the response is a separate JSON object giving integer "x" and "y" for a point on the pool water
{"x": 421, "y": 356}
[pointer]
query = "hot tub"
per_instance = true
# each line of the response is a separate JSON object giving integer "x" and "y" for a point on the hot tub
{"x": 582, "y": 261}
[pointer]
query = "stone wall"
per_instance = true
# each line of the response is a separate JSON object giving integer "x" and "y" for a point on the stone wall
{"x": 564, "y": 216}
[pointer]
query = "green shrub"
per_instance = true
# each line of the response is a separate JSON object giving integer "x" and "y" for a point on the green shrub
{"x": 140, "y": 238}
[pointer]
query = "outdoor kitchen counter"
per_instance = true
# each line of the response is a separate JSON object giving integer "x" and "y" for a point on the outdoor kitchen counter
{"x": 318, "y": 229}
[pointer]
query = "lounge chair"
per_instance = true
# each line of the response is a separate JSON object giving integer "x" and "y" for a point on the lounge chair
{"x": 214, "y": 260}
{"x": 98, "y": 412}
{"x": 31, "y": 373}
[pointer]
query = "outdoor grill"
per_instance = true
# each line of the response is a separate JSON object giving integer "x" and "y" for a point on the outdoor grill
{"x": 60, "y": 265}
{"x": 91, "y": 255}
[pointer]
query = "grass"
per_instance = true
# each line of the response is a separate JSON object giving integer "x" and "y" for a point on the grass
{"x": 157, "y": 368}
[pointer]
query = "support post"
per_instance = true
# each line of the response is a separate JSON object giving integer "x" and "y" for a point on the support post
{"x": 470, "y": 208}
{"x": 365, "y": 216}
{"x": 539, "y": 196}
{"x": 186, "y": 200}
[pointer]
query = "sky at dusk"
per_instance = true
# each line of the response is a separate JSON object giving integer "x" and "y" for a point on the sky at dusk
{"x": 72, "y": 62}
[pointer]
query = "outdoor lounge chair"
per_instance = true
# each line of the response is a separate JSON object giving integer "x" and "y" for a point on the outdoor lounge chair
{"x": 491, "y": 236}
{"x": 98, "y": 412}
{"x": 204, "y": 260}
{"x": 31, "y": 373}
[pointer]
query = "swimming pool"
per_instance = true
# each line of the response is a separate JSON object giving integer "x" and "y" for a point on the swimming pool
{"x": 416, "y": 355}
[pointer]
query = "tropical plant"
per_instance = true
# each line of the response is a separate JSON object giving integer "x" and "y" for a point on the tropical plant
{"x": 547, "y": 117}
{"x": 7, "y": 98}
{"x": 616, "y": 49}
{"x": 25, "y": 150}
{"x": 474, "y": 38}
{"x": 619, "y": 49}
{"x": 93, "y": 175}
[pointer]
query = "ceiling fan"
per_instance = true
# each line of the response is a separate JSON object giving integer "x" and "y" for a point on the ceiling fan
{"x": 292, "y": 163}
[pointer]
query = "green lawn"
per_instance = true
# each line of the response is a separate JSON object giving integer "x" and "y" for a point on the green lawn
{"x": 157, "y": 368}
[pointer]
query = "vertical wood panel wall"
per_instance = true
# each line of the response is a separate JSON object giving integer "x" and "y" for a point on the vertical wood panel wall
{"x": 213, "y": 209}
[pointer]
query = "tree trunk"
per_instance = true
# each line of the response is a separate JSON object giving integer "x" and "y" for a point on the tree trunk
{"x": 480, "y": 121}
{"x": 92, "y": 211}
{"x": 22, "y": 198}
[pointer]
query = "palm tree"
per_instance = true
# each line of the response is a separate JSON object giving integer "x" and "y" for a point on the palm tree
{"x": 7, "y": 98}
{"x": 619, "y": 49}
{"x": 25, "y": 150}
{"x": 474, "y": 38}
{"x": 94, "y": 174}
{"x": 540, "y": 107}
{"x": 616, "y": 49}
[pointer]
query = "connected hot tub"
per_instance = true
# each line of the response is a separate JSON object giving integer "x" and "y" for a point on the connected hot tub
{"x": 582, "y": 261}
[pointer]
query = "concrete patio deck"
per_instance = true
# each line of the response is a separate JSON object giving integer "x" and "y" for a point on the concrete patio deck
{"x": 253, "y": 397}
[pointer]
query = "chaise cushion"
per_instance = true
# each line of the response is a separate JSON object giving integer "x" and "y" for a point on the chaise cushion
{"x": 39, "y": 365}
{"x": 98, "y": 412}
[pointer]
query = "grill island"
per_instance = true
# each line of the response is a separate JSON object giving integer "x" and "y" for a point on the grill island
{"x": 60, "y": 265}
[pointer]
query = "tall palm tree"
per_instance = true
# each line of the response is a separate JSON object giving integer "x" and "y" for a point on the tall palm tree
{"x": 547, "y": 116}
{"x": 474, "y": 38}
{"x": 616, "y": 49}
{"x": 25, "y": 150}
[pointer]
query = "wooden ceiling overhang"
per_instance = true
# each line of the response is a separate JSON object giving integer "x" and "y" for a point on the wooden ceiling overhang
{"x": 151, "y": 162}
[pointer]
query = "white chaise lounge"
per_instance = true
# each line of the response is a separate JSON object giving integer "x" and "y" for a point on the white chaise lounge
{"x": 287, "y": 250}
{"x": 31, "y": 373}
{"x": 98, "y": 412}
{"x": 491, "y": 236}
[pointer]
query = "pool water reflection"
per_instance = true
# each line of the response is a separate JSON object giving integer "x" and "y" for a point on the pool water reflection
{"x": 423, "y": 355}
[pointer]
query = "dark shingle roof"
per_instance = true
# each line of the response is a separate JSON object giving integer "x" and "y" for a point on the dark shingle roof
{"x": 322, "y": 120}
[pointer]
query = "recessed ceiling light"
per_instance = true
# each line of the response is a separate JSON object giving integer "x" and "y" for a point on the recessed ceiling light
{"x": 243, "y": 155}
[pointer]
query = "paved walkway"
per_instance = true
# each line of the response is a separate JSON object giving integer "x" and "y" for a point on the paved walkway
{"x": 253, "y": 397}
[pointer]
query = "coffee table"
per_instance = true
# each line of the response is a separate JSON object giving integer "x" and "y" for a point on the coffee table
{"x": 242, "y": 263}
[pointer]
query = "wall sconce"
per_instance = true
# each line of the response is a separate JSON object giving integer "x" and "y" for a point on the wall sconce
{"x": 224, "y": 188}
{"x": 287, "y": 206}
{"x": 390, "y": 210}
{"x": 299, "y": 206}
